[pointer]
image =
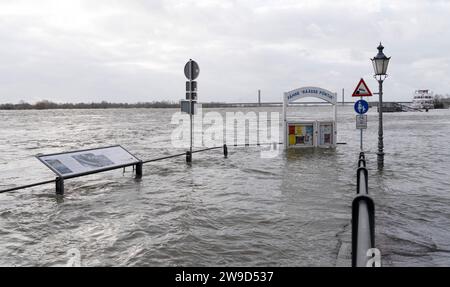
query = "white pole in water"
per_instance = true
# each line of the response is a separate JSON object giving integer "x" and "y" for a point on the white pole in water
{"x": 335, "y": 119}
{"x": 285, "y": 137}
{"x": 259, "y": 97}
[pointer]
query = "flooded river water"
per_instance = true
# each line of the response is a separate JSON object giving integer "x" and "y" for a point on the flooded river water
{"x": 290, "y": 210}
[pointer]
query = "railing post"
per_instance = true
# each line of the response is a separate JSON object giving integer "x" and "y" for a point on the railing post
{"x": 138, "y": 170}
{"x": 225, "y": 151}
{"x": 188, "y": 157}
{"x": 59, "y": 186}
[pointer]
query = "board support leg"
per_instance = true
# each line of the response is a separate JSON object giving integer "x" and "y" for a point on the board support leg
{"x": 188, "y": 157}
{"x": 139, "y": 170}
{"x": 59, "y": 186}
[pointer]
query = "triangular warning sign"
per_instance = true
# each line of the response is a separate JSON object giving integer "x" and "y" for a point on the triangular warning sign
{"x": 362, "y": 90}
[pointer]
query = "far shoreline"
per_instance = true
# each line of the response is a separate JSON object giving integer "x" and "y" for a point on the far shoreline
{"x": 47, "y": 105}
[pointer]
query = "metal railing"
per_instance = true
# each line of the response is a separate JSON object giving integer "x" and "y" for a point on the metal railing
{"x": 363, "y": 218}
{"x": 59, "y": 182}
{"x": 27, "y": 186}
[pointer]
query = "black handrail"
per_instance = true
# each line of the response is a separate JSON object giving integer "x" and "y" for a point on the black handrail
{"x": 363, "y": 218}
{"x": 28, "y": 185}
{"x": 206, "y": 149}
{"x": 162, "y": 158}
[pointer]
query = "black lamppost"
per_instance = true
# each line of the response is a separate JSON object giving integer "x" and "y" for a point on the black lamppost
{"x": 380, "y": 64}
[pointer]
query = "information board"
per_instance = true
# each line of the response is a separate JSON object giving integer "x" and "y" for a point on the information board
{"x": 188, "y": 107}
{"x": 301, "y": 134}
{"x": 326, "y": 134}
{"x": 361, "y": 122}
{"x": 77, "y": 163}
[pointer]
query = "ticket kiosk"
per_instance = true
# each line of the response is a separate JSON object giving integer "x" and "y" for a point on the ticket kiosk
{"x": 302, "y": 133}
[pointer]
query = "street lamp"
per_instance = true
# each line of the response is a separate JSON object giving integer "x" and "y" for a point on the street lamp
{"x": 380, "y": 64}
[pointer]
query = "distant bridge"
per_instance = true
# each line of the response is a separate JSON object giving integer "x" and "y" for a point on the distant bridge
{"x": 391, "y": 107}
{"x": 386, "y": 105}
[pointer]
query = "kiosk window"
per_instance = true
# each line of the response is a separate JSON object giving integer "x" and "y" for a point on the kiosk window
{"x": 325, "y": 134}
{"x": 301, "y": 134}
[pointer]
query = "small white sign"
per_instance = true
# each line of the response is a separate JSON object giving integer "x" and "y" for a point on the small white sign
{"x": 361, "y": 122}
{"x": 189, "y": 107}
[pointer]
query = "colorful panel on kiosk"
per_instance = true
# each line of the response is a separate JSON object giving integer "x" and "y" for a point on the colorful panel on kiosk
{"x": 291, "y": 129}
{"x": 292, "y": 139}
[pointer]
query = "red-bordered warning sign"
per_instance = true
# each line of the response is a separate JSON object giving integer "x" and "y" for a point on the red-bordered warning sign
{"x": 362, "y": 90}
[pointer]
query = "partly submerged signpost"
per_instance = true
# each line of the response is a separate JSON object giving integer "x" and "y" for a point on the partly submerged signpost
{"x": 83, "y": 162}
{"x": 191, "y": 71}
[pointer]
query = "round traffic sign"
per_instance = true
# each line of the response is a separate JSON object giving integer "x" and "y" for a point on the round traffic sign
{"x": 191, "y": 70}
{"x": 361, "y": 107}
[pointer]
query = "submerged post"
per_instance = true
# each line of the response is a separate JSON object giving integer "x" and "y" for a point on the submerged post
{"x": 59, "y": 186}
{"x": 138, "y": 169}
{"x": 225, "y": 150}
{"x": 188, "y": 157}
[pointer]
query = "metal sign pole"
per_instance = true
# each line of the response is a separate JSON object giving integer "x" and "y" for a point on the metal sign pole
{"x": 361, "y": 107}
{"x": 361, "y": 143}
{"x": 191, "y": 71}
{"x": 190, "y": 103}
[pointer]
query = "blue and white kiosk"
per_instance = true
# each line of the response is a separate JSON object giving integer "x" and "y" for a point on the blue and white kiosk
{"x": 300, "y": 133}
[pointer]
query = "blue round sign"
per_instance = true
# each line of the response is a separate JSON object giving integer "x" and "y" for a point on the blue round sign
{"x": 361, "y": 107}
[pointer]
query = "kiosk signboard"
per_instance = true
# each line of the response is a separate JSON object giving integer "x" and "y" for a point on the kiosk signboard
{"x": 318, "y": 133}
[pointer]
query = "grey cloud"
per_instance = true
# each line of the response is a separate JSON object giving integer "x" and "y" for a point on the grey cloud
{"x": 135, "y": 50}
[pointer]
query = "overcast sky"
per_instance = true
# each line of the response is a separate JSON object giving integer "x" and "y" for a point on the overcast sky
{"x": 130, "y": 51}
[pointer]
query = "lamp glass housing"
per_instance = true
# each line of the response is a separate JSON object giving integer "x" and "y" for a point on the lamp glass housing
{"x": 380, "y": 62}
